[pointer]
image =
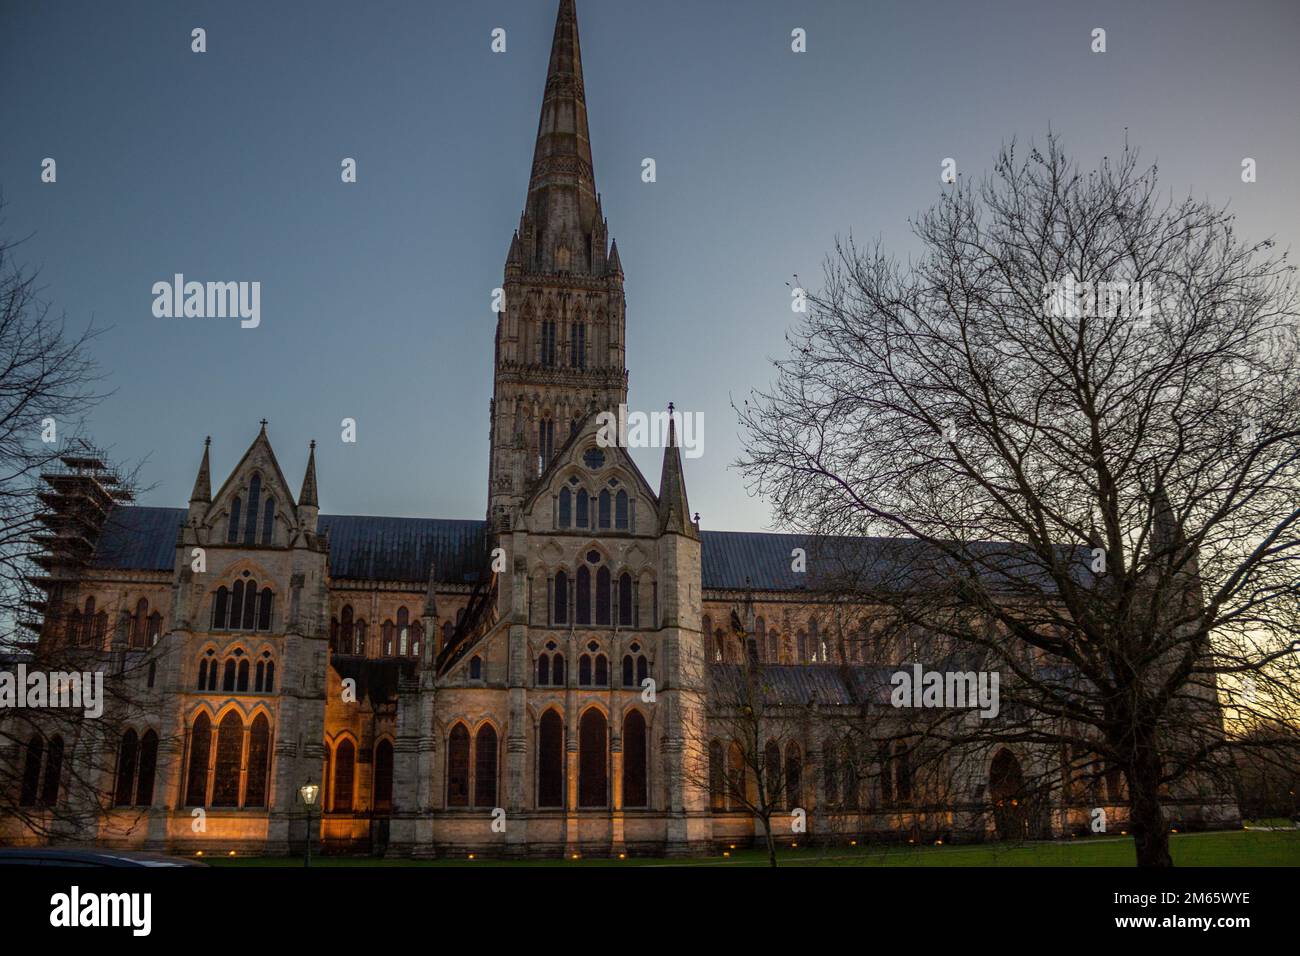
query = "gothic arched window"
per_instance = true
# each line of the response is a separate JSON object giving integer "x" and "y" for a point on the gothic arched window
{"x": 232, "y": 527}
{"x": 196, "y": 781}
{"x": 635, "y": 790}
{"x": 458, "y": 767}
{"x": 230, "y": 751}
{"x": 583, "y": 501}
{"x": 139, "y": 623}
{"x": 737, "y": 785}
{"x": 259, "y": 762}
{"x": 268, "y": 522}
{"x": 543, "y": 670}
{"x": 625, "y": 600}
{"x": 831, "y": 771}
{"x": 628, "y": 680}
{"x": 566, "y": 508}
{"x": 578, "y": 345}
{"x": 254, "y": 508}
{"x": 604, "y": 508}
{"x": 584, "y": 671}
{"x": 485, "y": 767}
{"x": 559, "y": 677}
{"x": 548, "y": 342}
{"x": 476, "y": 668}
{"x": 851, "y": 779}
{"x": 545, "y": 443}
{"x": 583, "y": 596}
{"x": 386, "y": 638}
{"x": 717, "y": 777}
{"x": 620, "y": 510}
{"x": 383, "y": 775}
{"x": 241, "y": 685}
{"x": 602, "y": 670}
{"x": 772, "y": 772}
{"x": 124, "y": 793}
{"x": 53, "y": 773}
{"x": 550, "y": 760}
{"x": 220, "y": 601}
{"x": 228, "y": 676}
{"x": 264, "y": 610}
{"x": 148, "y": 767}
{"x": 32, "y": 772}
{"x": 236, "y": 604}
{"x": 592, "y": 759}
{"x": 602, "y": 595}
{"x": 250, "y": 604}
{"x": 642, "y": 670}
{"x": 345, "y": 757}
{"x": 793, "y": 775}
{"x": 403, "y": 632}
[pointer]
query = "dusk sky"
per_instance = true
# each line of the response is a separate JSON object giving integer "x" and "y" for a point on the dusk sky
{"x": 375, "y": 305}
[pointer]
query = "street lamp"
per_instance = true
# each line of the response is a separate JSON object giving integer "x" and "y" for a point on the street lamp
{"x": 308, "y": 792}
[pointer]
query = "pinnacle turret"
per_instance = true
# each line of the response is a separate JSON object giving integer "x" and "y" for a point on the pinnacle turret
{"x": 203, "y": 481}
{"x": 308, "y": 496}
{"x": 674, "y": 509}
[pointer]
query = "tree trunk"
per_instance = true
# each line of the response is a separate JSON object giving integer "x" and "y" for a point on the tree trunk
{"x": 771, "y": 842}
{"x": 1150, "y": 835}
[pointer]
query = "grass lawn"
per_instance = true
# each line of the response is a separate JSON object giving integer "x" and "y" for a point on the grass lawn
{"x": 1228, "y": 848}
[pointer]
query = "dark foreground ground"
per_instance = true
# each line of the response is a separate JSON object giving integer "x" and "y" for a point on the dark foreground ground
{"x": 1248, "y": 847}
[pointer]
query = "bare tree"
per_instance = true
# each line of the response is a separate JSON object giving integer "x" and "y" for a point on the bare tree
{"x": 57, "y": 765}
{"x": 47, "y": 384}
{"x": 1079, "y": 408}
{"x": 740, "y": 761}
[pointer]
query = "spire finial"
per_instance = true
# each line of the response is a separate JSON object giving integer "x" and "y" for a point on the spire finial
{"x": 309, "y": 496}
{"x": 203, "y": 480}
{"x": 561, "y": 206}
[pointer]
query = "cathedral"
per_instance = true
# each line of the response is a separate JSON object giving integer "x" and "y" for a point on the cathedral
{"x": 541, "y": 682}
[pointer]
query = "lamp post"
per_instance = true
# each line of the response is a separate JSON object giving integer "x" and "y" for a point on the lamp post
{"x": 308, "y": 792}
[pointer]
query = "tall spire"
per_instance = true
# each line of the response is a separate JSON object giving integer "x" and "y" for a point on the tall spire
{"x": 674, "y": 510}
{"x": 308, "y": 496}
{"x": 203, "y": 481}
{"x": 562, "y": 208}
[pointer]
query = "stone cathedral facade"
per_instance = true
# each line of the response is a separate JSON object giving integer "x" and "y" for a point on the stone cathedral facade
{"x": 538, "y": 682}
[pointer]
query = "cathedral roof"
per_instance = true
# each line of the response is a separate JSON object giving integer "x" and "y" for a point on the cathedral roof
{"x": 368, "y": 548}
{"x": 799, "y": 685}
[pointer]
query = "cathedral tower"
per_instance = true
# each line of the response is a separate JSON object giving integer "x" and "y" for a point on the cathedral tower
{"x": 560, "y": 335}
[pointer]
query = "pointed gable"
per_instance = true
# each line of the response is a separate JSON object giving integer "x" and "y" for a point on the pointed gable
{"x": 586, "y": 458}
{"x": 254, "y": 481}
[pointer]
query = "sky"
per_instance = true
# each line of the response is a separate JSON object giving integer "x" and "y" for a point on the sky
{"x": 376, "y": 295}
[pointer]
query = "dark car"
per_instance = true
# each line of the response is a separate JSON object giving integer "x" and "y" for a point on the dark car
{"x": 54, "y": 856}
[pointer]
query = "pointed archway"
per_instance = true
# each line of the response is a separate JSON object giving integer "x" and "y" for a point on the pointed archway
{"x": 1007, "y": 793}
